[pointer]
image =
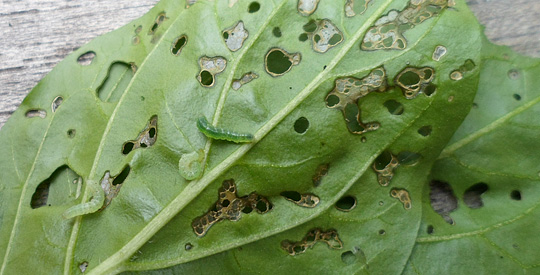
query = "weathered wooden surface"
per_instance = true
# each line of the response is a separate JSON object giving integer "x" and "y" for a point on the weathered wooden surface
{"x": 36, "y": 35}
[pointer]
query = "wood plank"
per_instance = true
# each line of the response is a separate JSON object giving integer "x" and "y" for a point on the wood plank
{"x": 36, "y": 35}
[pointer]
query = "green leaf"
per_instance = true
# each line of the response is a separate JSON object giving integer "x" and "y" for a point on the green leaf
{"x": 491, "y": 166}
{"x": 128, "y": 113}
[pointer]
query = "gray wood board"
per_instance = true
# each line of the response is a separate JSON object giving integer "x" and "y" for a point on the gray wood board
{"x": 37, "y": 34}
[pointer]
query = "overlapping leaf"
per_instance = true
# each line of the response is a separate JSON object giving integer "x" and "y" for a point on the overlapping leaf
{"x": 492, "y": 168}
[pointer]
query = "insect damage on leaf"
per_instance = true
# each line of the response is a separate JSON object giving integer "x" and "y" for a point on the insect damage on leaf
{"x": 330, "y": 237}
{"x": 387, "y": 32}
{"x": 354, "y": 7}
{"x": 322, "y": 170}
{"x": 467, "y": 66}
{"x": 111, "y": 185}
{"x": 325, "y": 35}
{"x": 56, "y": 103}
{"x": 384, "y": 165}
{"x": 178, "y": 44}
{"x": 439, "y": 53}
{"x": 102, "y": 194}
{"x": 230, "y": 207}
{"x": 403, "y": 196}
{"x": 442, "y": 199}
{"x": 277, "y": 61}
{"x": 305, "y": 200}
{"x": 235, "y": 36}
{"x": 210, "y": 67}
{"x": 346, "y": 203}
{"x": 246, "y": 78}
{"x": 307, "y": 7}
{"x": 146, "y": 138}
{"x": 345, "y": 97}
{"x": 413, "y": 81}
{"x": 153, "y": 31}
{"x": 36, "y": 113}
{"x": 473, "y": 195}
{"x": 62, "y": 187}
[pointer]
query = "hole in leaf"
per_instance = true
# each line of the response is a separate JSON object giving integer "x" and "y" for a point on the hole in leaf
{"x": 210, "y": 67}
{"x": 178, "y": 44}
{"x": 330, "y": 237}
{"x": 303, "y": 37}
{"x": 56, "y": 103}
{"x": 473, "y": 195}
{"x": 515, "y": 195}
{"x": 430, "y": 229}
{"x": 147, "y": 137}
{"x": 408, "y": 158}
{"x": 517, "y": 97}
{"x": 118, "y": 78}
{"x": 346, "y": 203}
{"x": 348, "y": 257}
{"x": 71, "y": 133}
{"x": 383, "y": 160}
{"x": 254, "y": 7}
{"x": 59, "y": 189}
{"x": 83, "y": 266}
{"x": 120, "y": 178}
{"x": 291, "y": 195}
{"x": 278, "y": 61}
{"x": 86, "y": 59}
{"x": 276, "y": 32}
{"x": 384, "y": 166}
{"x": 159, "y": 20}
{"x": 430, "y": 89}
{"x": 442, "y": 199}
{"x": 301, "y": 125}
{"x": 304, "y": 200}
{"x": 234, "y": 209}
{"x": 128, "y": 147}
{"x": 207, "y": 79}
{"x": 36, "y": 113}
{"x": 310, "y": 26}
{"x": 425, "y": 130}
{"x": 188, "y": 246}
{"x": 235, "y": 36}
{"x": 382, "y": 232}
{"x": 394, "y": 107}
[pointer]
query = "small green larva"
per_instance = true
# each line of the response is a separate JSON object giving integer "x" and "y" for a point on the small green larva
{"x": 218, "y": 133}
{"x": 95, "y": 203}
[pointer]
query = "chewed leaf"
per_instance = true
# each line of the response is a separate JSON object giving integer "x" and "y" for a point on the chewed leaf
{"x": 203, "y": 96}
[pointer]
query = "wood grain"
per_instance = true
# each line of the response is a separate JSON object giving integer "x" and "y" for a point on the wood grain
{"x": 36, "y": 35}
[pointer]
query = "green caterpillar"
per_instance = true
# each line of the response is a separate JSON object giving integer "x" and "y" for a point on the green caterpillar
{"x": 218, "y": 133}
{"x": 95, "y": 203}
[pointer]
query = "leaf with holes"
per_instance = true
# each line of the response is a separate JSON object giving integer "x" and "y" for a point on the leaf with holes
{"x": 328, "y": 109}
{"x": 485, "y": 190}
